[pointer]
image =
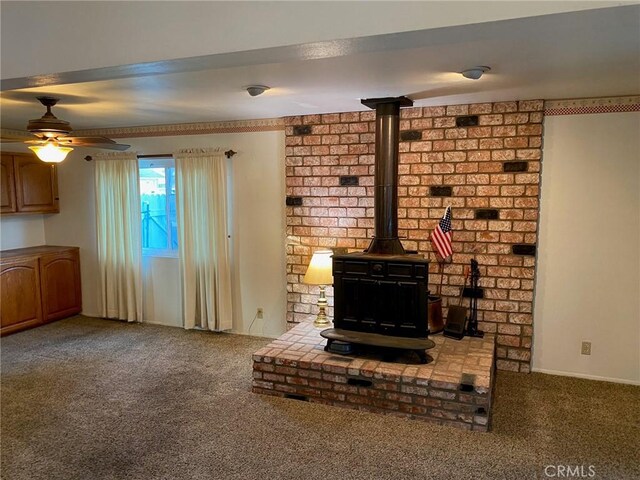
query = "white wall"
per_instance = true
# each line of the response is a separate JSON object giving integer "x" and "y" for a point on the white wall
{"x": 21, "y": 231}
{"x": 588, "y": 277}
{"x": 258, "y": 233}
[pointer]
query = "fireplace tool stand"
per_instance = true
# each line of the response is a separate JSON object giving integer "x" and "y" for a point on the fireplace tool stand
{"x": 472, "y": 324}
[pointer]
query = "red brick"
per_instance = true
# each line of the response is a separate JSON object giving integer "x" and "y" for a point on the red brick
{"x": 444, "y": 122}
{"x": 490, "y": 119}
{"x": 478, "y": 132}
{"x": 457, "y": 156}
{"x": 529, "y": 154}
{"x": 425, "y": 146}
{"x": 502, "y": 107}
{"x": 421, "y": 124}
{"x": 339, "y": 128}
{"x": 491, "y": 143}
{"x": 433, "y": 111}
{"x": 531, "y": 129}
{"x": 310, "y": 119}
{"x": 516, "y": 142}
{"x": 440, "y": 145}
{"x": 530, "y": 105}
{"x": 361, "y": 127}
{"x": 478, "y": 179}
{"x": 455, "y": 133}
{"x": 433, "y": 134}
{"x": 339, "y": 216}
{"x": 467, "y": 144}
{"x": 478, "y": 108}
{"x": 516, "y": 118}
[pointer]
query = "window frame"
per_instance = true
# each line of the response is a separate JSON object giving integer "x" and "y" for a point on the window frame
{"x": 165, "y": 163}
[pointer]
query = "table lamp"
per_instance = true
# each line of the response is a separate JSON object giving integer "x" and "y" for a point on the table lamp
{"x": 320, "y": 273}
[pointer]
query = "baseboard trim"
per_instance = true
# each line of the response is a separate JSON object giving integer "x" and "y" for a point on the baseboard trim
{"x": 235, "y": 332}
{"x": 162, "y": 324}
{"x": 586, "y": 376}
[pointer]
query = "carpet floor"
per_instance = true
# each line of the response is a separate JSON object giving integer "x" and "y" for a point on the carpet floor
{"x": 96, "y": 399}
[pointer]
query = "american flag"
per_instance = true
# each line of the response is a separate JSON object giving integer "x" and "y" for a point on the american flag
{"x": 441, "y": 236}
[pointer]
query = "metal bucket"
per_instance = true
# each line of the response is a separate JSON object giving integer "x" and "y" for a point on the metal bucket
{"x": 436, "y": 323}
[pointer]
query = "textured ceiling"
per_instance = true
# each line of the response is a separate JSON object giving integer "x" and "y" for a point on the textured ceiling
{"x": 582, "y": 54}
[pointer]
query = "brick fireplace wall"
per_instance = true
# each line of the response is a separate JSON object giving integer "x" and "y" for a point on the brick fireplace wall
{"x": 488, "y": 171}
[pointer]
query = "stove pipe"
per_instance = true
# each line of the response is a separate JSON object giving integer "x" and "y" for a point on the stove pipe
{"x": 385, "y": 240}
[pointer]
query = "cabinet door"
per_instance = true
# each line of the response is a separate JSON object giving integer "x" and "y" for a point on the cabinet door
{"x": 20, "y": 295}
{"x": 36, "y": 185}
{"x": 7, "y": 185}
{"x": 60, "y": 280}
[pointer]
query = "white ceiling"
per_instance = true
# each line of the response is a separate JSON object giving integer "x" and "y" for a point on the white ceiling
{"x": 569, "y": 55}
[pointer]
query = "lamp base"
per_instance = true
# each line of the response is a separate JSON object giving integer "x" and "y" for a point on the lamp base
{"x": 322, "y": 321}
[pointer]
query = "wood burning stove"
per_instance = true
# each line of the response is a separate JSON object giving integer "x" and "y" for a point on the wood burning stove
{"x": 381, "y": 294}
{"x": 384, "y": 294}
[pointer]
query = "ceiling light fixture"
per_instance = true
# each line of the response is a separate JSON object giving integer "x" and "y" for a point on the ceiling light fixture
{"x": 255, "y": 90}
{"x": 51, "y": 152}
{"x": 475, "y": 73}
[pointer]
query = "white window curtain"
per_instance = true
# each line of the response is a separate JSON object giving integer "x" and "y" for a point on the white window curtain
{"x": 201, "y": 205}
{"x": 118, "y": 230}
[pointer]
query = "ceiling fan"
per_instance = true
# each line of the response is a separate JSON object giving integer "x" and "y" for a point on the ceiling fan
{"x": 50, "y": 137}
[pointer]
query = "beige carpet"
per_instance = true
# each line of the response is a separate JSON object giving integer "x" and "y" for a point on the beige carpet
{"x": 96, "y": 399}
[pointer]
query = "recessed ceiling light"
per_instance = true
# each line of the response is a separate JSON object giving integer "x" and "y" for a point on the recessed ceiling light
{"x": 475, "y": 73}
{"x": 255, "y": 90}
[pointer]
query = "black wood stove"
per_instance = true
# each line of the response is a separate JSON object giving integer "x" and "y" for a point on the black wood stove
{"x": 380, "y": 295}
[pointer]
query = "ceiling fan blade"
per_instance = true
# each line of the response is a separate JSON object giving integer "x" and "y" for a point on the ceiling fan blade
{"x": 92, "y": 142}
{"x": 11, "y": 136}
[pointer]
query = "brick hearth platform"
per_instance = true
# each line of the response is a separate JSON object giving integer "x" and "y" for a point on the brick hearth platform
{"x": 454, "y": 389}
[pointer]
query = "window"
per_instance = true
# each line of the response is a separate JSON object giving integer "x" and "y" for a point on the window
{"x": 158, "y": 206}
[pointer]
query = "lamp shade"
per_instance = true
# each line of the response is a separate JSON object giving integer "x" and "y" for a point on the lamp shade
{"x": 51, "y": 153}
{"x": 319, "y": 271}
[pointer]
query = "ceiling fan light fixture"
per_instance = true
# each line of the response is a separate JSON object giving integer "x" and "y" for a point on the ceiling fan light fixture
{"x": 255, "y": 90}
{"x": 51, "y": 152}
{"x": 475, "y": 73}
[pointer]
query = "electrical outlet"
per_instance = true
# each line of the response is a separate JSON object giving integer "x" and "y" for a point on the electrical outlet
{"x": 260, "y": 312}
{"x": 586, "y": 348}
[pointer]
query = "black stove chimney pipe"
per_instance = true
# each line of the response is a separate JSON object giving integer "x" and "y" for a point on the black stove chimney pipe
{"x": 387, "y": 109}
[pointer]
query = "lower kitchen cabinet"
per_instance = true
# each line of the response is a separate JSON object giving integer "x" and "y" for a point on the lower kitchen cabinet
{"x": 38, "y": 285}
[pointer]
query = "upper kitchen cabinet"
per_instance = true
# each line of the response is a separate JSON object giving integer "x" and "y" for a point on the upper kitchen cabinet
{"x": 7, "y": 185}
{"x": 28, "y": 185}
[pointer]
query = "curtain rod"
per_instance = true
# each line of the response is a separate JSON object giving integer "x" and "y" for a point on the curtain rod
{"x": 228, "y": 153}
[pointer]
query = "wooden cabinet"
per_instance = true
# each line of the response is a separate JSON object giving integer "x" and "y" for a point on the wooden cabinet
{"x": 38, "y": 285}
{"x": 20, "y": 290}
{"x": 28, "y": 185}
{"x": 7, "y": 185}
{"x": 60, "y": 280}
